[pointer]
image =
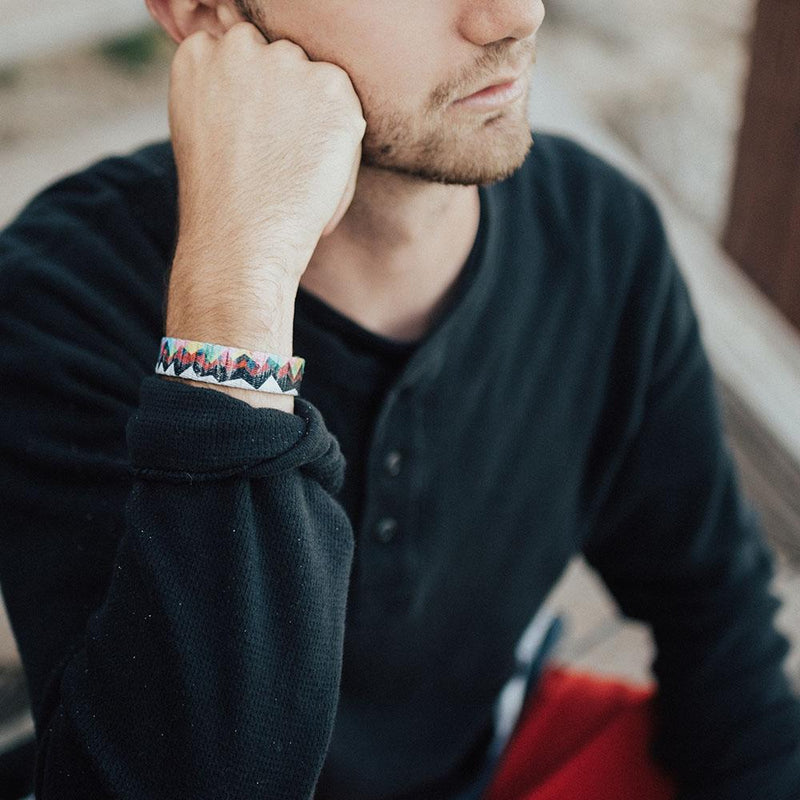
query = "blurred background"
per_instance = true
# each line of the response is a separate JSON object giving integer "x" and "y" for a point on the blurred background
{"x": 700, "y": 102}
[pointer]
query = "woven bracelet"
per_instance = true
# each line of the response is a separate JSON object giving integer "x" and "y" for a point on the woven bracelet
{"x": 229, "y": 366}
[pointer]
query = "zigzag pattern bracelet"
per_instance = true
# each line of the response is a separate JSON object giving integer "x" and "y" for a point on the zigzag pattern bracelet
{"x": 229, "y": 366}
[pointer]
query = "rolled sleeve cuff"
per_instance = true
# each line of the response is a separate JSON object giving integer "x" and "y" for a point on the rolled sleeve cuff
{"x": 185, "y": 433}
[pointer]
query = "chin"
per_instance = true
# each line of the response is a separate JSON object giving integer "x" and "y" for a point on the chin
{"x": 487, "y": 153}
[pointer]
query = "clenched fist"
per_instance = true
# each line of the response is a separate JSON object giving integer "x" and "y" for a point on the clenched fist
{"x": 267, "y": 147}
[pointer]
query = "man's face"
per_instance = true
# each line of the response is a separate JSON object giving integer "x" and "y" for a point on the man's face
{"x": 413, "y": 64}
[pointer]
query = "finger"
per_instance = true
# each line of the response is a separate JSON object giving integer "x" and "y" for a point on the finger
{"x": 246, "y": 31}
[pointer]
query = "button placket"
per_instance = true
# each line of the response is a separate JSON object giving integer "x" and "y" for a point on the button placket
{"x": 393, "y": 463}
{"x": 388, "y": 554}
{"x": 386, "y": 529}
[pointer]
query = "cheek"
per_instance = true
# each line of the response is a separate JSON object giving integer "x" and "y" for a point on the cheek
{"x": 391, "y": 62}
{"x": 402, "y": 80}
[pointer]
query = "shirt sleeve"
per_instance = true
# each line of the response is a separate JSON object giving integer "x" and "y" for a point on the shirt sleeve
{"x": 681, "y": 550}
{"x": 179, "y": 595}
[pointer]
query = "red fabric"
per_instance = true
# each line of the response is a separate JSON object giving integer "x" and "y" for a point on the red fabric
{"x": 579, "y": 737}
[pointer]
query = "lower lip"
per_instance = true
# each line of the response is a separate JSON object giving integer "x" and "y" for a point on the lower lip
{"x": 494, "y": 97}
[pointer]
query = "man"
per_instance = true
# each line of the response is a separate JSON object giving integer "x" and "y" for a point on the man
{"x": 204, "y": 609}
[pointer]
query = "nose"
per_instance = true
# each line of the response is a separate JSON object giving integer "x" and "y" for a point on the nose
{"x": 484, "y": 22}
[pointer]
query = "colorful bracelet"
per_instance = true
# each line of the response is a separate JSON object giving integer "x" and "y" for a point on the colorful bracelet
{"x": 229, "y": 366}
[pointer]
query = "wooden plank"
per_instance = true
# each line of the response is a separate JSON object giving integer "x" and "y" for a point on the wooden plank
{"x": 763, "y": 230}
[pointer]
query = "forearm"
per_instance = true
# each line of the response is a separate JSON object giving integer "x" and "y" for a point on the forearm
{"x": 212, "y": 667}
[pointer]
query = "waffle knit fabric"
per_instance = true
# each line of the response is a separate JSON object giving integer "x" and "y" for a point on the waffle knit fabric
{"x": 208, "y": 605}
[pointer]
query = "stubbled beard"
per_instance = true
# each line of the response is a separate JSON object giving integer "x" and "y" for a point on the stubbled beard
{"x": 442, "y": 154}
{"x": 485, "y": 154}
{"x": 452, "y": 146}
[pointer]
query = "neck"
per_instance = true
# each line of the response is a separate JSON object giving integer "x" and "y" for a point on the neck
{"x": 393, "y": 259}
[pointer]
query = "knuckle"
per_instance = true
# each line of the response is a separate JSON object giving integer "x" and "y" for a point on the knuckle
{"x": 333, "y": 82}
{"x": 192, "y": 50}
{"x": 347, "y": 126}
{"x": 336, "y": 76}
{"x": 358, "y": 125}
{"x": 199, "y": 41}
{"x": 244, "y": 31}
{"x": 285, "y": 47}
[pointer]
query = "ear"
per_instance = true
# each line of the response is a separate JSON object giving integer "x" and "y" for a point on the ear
{"x": 181, "y": 18}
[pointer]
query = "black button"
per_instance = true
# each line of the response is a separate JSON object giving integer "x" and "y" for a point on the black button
{"x": 386, "y": 529}
{"x": 393, "y": 463}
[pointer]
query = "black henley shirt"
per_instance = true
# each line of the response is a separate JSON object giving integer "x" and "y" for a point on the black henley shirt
{"x": 197, "y": 616}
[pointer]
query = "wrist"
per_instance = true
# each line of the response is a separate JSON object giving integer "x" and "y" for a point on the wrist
{"x": 261, "y": 379}
{"x": 235, "y": 300}
{"x": 281, "y": 402}
{"x": 271, "y": 251}
{"x": 228, "y": 309}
